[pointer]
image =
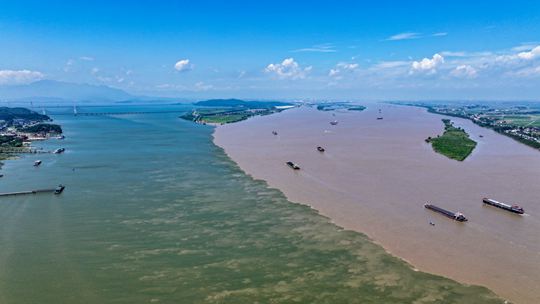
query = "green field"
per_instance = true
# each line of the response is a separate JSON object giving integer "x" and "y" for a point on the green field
{"x": 454, "y": 143}
{"x": 522, "y": 120}
{"x": 223, "y": 118}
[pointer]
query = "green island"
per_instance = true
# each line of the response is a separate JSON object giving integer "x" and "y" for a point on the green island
{"x": 519, "y": 121}
{"x": 224, "y": 111}
{"x": 19, "y": 126}
{"x": 454, "y": 143}
{"x": 332, "y": 106}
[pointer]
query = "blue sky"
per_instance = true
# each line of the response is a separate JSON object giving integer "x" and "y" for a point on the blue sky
{"x": 278, "y": 49}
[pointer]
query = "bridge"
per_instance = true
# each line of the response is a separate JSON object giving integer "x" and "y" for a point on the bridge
{"x": 75, "y": 113}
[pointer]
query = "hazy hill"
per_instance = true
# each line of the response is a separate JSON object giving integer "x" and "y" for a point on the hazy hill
{"x": 51, "y": 90}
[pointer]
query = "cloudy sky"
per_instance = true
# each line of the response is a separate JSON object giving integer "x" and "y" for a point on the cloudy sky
{"x": 278, "y": 49}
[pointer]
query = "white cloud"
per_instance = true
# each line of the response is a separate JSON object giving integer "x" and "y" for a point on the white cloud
{"x": 529, "y": 55}
{"x": 404, "y": 36}
{"x": 11, "y": 77}
{"x": 183, "y": 65}
{"x": 464, "y": 71}
{"x": 390, "y": 64}
{"x": 519, "y": 58}
{"x": 341, "y": 68}
{"x": 94, "y": 71}
{"x": 320, "y": 48}
{"x": 527, "y": 72}
{"x": 86, "y": 58}
{"x": 201, "y": 86}
{"x": 439, "y": 34}
{"x": 427, "y": 65}
{"x": 288, "y": 69}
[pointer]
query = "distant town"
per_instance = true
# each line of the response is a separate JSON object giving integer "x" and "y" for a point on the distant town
{"x": 519, "y": 121}
{"x": 20, "y": 126}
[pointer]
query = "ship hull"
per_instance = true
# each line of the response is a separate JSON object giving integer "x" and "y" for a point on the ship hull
{"x": 504, "y": 207}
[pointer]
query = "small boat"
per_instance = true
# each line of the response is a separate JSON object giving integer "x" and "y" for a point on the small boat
{"x": 512, "y": 208}
{"x": 333, "y": 123}
{"x": 481, "y": 136}
{"x": 320, "y": 149}
{"x": 458, "y": 216}
{"x": 61, "y": 137}
{"x": 379, "y": 118}
{"x": 59, "y": 189}
{"x": 432, "y": 223}
{"x": 274, "y": 132}
{"x": 37, "y": 163}
{"x": 293, "y": 165}
{"x": 58, "y": 151}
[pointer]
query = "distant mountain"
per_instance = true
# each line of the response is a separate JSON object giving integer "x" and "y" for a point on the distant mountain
{"x": 241, "y": 103}
{"x": 51, "y": 90}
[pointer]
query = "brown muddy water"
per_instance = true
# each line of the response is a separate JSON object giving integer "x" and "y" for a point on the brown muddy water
{"x": 375, "y": 176}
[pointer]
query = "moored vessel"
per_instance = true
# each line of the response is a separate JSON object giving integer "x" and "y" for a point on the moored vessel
{"x": 512, "y": 208}
{"x": 59, "y": 189}
{"x": 458, "y": 216}
{"x": 293, "y": 165}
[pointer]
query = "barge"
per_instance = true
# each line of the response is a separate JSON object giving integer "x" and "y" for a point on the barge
{"x": 512, "y": 208}
{"x": 293, "y": 165}
{"x": 458, "y": 216}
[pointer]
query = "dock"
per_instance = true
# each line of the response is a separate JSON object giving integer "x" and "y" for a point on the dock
{"x": 56, "y": 190}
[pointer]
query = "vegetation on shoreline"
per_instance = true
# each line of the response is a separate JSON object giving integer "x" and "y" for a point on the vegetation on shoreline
{"x": 519, "y": 122}
{"x": 332, "y": 106}
{"x": 454, "y": 143}
{"x": 223, "y": 111}
{"x": 42, "y": 128}
{"x": 17, "y": 125}
{"x": 357, "y": 108}
{"x": 237, "y": 103}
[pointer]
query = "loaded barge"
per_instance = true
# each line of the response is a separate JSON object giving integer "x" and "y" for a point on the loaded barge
{"x": 514, "y": 208}
{"x": 458, "y": 216}
{"x": 293, "y": 165}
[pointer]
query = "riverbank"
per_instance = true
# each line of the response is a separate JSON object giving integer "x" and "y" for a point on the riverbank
{"x": 376, "y": 174}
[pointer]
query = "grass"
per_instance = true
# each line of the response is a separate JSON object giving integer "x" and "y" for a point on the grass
{"x": 523, "y": 120}
{"x": 357, "y": 108}
{"x": 454, "y": 143}
{"x": 224, "y": 118}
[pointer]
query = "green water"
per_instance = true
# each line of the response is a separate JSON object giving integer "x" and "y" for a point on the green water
{"x": 154, "y": 212}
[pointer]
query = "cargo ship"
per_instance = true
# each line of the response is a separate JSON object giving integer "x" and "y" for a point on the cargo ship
{"x": 293, "y": 165}
{"x": 59, "y": 189}
{"x": 458, "y": 216}
{"x": 514, "y": 208}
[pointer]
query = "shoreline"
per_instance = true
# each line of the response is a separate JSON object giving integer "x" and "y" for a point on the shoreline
{"x": 337, "y": 217}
